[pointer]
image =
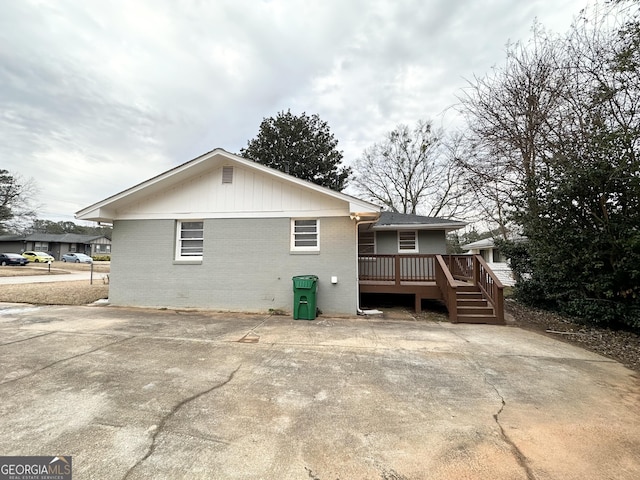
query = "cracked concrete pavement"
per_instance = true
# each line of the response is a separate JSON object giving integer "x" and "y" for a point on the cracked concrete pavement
{"x": 136, "y": 394}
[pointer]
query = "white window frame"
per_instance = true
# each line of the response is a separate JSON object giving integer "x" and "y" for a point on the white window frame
{"x": 102, "y": 248}
{"x": 401, "y": 241}
{"x": 179, "y": 239}
{"x": 41, "y": 246}
{"x": 294, "y": 234}
{"x": 372, "y": 244}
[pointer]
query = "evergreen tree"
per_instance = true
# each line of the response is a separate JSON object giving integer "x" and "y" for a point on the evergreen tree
{"x": 302, "y": 146}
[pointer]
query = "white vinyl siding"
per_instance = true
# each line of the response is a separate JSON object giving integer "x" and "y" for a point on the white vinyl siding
{"x": 407, "y": 241}
{"x": 249, "y": 194}
{"x": 190, "y": 240}
{"x": 305, "y": 235}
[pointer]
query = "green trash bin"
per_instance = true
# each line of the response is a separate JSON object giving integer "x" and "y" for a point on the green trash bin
{"x": 305, "y": 288}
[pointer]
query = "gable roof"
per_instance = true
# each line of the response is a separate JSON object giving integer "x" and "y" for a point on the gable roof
{"x": 407, "y": 221}
{"x": 107, "y": 210}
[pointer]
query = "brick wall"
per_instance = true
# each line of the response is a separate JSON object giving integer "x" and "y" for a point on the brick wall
{"x": 247, "y": 266}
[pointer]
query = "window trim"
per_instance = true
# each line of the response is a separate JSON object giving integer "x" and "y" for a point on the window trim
{"x": 316, "y": 247}
{"x": 372, "y": 244}
{"x": 415, "y": 248}
{"x": 178, "y": 252}
{"x": 41, "y": 246}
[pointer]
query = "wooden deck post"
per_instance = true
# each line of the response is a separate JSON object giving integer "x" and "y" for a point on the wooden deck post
{"x": 476, "y": 271}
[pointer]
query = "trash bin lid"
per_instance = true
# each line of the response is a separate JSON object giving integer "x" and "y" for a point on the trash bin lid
{"x": 304, "y": 281}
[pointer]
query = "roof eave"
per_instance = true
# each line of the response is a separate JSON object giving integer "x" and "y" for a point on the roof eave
{"x": 417, "y": 226}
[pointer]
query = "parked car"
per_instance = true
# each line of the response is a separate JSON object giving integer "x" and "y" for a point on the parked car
{"x": 76, "y": 258}
{"x": 38, "y": 257}
{"x": 12, "y": 259}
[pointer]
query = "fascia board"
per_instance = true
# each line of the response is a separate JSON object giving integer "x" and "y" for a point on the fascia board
{"x": 434, "y": 226}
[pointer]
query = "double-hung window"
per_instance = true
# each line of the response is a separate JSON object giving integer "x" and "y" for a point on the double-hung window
{"x": 190, "y": 240}
{"x": 305, "y": 235}
{"x": 366, "y": 242}
{"x": 407, "y": 241}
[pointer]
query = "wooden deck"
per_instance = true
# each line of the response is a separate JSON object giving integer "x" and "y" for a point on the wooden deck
{"x": 464, "y": 283}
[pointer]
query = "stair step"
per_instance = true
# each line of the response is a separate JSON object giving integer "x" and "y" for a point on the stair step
{"x": 489, "y": 319}
{"x": 467, "y": 288}
{"x": 469, "y": 295}
{"x": 480, "y": 310}
{"x": 472, "y": 302}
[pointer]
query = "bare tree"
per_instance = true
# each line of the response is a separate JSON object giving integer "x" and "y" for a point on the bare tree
{"x": 512, "y": 115}
{"x": 17, "y": 207}
{"x": 555, "y": 137}
{"x": 412, "y": 171}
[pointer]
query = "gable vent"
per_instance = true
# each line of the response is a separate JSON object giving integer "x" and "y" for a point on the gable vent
{"x": 227, "y": 174}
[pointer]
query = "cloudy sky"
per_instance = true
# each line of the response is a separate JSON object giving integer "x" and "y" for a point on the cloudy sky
{"x": 97, "y": 96}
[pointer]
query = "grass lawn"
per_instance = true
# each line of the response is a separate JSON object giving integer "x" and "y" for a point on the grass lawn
{"x": 55, "y": 293}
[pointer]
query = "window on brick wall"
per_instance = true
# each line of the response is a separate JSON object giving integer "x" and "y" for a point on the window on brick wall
{"x": 305, "y": 235}
{"x": 190, "y": 240}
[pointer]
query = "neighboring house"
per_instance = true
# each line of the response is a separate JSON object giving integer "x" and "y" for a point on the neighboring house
{"x": 56, "y": 244}
{"x": 223, "y": 232}
{"x": 487, "y": 249}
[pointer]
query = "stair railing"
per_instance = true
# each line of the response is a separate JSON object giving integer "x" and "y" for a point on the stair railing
{"x": 491, "y": 287}
{"x": 447, "y": 286}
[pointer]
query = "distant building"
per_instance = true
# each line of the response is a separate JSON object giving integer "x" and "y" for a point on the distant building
{"x": 491, "y": 254}
{"x": 56, "y": 244}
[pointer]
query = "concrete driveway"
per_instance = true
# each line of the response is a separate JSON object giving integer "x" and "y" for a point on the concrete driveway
{"x": 138, "y": 394}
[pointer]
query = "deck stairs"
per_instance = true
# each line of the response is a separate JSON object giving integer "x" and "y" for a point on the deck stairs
{"x": 472, "y": 307}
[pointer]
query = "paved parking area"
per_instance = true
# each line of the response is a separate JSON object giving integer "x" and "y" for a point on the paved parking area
{"x": 138, "y": 394}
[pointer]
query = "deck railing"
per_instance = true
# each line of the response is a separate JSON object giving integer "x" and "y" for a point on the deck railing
{"x": 447, "y": 286}
{"x": 410, "y": 268}
{"x": 491, "y": 287}
{"x": 444, "y": 270}
{"x": 461, "y": 266}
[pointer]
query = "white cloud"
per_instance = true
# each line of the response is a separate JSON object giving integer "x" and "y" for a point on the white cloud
{"x": 97, "y": 96}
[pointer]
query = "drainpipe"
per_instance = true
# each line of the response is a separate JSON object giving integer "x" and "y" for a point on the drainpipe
{"x": 358, "y": 223}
